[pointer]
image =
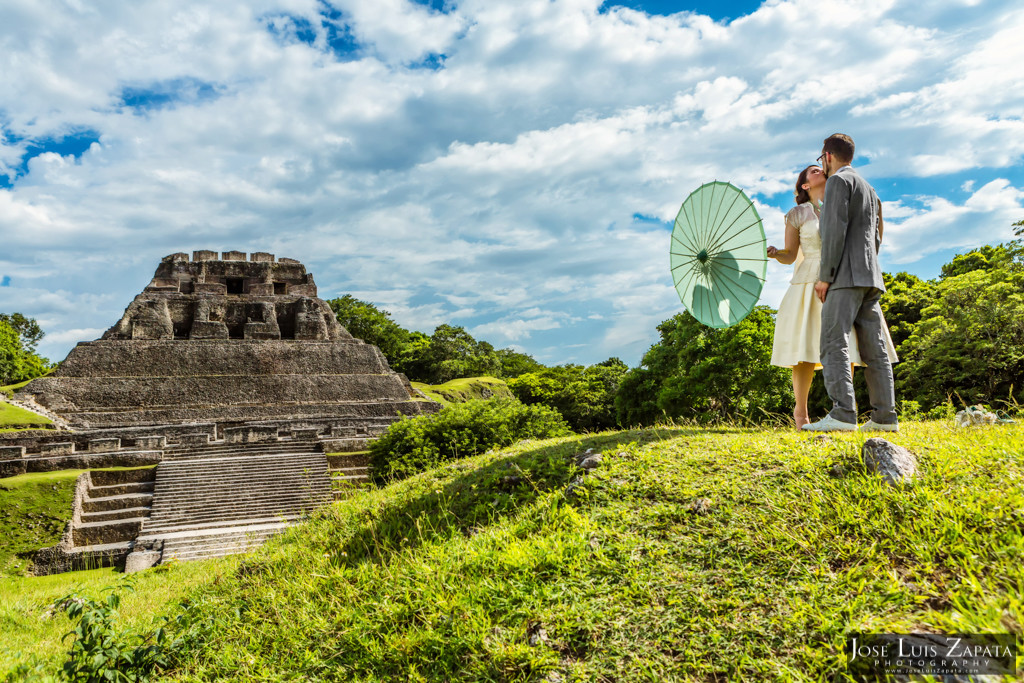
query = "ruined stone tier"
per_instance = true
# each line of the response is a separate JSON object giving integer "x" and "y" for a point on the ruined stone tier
{"x": 229, "y": 298}
{"x": 104, "y": 384}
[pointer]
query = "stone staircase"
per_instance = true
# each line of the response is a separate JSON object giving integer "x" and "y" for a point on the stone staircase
{"x": 226, "y": 498}
{"x": 114, "y": 508}
{"x": 349, "y": 472}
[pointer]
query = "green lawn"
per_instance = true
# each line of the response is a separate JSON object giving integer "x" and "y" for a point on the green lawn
{"x": 16, "y": 416}
{"x": 460, "y": 390}
{"x": 33, "y": 511}
{"x": 689, "y": 554}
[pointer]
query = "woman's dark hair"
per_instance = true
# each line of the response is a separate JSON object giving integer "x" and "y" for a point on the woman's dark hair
{"x": 801, "y": 194}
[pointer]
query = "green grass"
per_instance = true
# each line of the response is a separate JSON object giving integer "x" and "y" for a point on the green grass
{"x": 31, "y": 633}
{"x": 455, "y": 573}
{"x": 12, "y": 416}
{"x": 447, "y": 575}
{"x": 34, "y": 509}
{"x": 461, "y": 390}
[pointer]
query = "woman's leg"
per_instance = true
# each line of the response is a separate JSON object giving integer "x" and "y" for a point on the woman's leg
{"x": 803, "y": 374}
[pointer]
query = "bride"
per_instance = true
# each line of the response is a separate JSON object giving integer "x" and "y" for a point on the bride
{"x": 798, "y": 323}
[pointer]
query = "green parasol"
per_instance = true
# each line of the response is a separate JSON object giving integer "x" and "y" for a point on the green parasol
{"x": 718, "y": 254}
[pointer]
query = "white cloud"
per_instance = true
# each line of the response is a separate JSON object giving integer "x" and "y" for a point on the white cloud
{"x": 497, "y": 189}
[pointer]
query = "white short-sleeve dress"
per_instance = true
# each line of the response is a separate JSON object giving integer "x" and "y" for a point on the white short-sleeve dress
{"x": 798, "y": 323}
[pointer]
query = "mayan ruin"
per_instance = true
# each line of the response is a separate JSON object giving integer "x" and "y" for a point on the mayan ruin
{"x": 236, "y": 381}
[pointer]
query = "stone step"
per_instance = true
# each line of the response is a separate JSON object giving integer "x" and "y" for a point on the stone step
{"x": 257, "y": 447}
{"x": 107, "y": 477}
{"x": 120, "y": 489}
{"x": 297, "y": 464}
{"x": 193, "y": 456}
{"x": 271, "y": 506}
{"x": 241, "y": 460}
{"x": 99, "y": 533}
{"x": 276, "y": 476}
{"x": 114, "y": 515}
{"x": 127, "y": 500}
{"x": 345, "y": 460}
{"x": 236, "y": 490}
{"x": 175, "y": 532}
{"x": 226, "y": 511}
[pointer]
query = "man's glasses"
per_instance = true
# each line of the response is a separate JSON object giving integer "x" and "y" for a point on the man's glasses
{"x": 821, "y": 158}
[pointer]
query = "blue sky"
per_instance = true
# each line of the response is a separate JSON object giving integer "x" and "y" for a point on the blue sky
{"x": 512, "y": 166}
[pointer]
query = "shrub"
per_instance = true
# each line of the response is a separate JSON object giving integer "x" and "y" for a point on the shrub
{"x": 459, "y": 431}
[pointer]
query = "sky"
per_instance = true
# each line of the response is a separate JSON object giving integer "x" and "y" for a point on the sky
{"x": 510, "y": 166}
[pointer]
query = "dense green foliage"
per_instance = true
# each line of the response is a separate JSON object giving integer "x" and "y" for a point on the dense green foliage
{"x": 689, "y": 554}
{"x": 18, "y": 359}
{"x": 459, "y": 431}
{"x": 961, "y": 336}
{"x": 705, "y": 374}
{"x": 449, "y": 353}
{"x": 585, "y": 396}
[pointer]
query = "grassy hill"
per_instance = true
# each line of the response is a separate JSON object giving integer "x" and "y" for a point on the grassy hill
{"x": 688, "y": 554}
{"x": 460, "y": 390}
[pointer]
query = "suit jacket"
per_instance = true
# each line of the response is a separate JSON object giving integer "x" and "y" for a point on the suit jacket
{"x": 849, "y": 232}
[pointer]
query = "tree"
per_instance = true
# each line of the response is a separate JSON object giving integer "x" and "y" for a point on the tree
{"x": 18, "y": 360}
{"x": 970, "y": 339}
{"x": 374, "y": 326}
{"x": 27, "y": 328}
{"x": 703, "y": 373}
{"x": 585, "y": 397}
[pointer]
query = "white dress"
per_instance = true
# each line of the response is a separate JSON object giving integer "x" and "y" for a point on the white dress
{"x": 798, "y": 323}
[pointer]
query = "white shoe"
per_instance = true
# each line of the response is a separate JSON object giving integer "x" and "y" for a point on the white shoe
{"x": 872, "y": 426}
{"x": 830, "y": 424}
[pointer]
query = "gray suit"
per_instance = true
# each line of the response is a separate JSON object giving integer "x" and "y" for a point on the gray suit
{"x": 849, "y": 261}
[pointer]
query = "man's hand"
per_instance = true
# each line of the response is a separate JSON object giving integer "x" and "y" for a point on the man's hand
{"x": 821, "y": 289}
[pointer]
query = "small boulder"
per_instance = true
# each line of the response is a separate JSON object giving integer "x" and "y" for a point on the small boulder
{"x": 894, "y": 463}
{"x": 588, "y": 459}
{"x": 140, "y": 560}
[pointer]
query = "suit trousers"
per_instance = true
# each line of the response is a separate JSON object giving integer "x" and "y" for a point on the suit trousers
{"x": 856, "y": 310}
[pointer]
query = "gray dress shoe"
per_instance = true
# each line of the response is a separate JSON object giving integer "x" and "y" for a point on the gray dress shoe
{"x": 830, "y": 424}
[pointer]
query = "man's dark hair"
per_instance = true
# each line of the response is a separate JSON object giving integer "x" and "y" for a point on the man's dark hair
{"x": 840, "y": 145}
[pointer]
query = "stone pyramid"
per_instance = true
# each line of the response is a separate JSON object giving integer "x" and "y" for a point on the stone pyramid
{"x": 231, "y": 341}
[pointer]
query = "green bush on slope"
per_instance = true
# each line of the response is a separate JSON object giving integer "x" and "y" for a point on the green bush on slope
{"x": 459, "y": 431}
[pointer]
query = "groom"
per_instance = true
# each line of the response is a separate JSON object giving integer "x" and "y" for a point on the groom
{"x": 849, "y": 286}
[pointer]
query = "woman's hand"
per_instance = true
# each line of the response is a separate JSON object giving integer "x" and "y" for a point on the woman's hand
{"x": 772, "y": 252}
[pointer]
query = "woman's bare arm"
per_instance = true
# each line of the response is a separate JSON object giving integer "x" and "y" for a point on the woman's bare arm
{"x": 788, "y": 255}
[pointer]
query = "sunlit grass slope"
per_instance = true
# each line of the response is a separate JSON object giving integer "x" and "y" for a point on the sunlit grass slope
{"x": 460, "y": 390}
{"x": 688, "y": 554}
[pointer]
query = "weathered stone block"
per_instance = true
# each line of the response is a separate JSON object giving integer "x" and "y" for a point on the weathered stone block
{"x": 306, "y": 433}
{"x": 151, "y": 442}
{"x": 287, "y": 260}
{"x": 104, "y": 445}
{"x": 12, "y": 468}
{"x": 261, "y": 257}
{"x": 262, "y": 331}
{"x": 140, "y": 560}
{"x": 250, "y": 434}
{"x": 194, "y": 439}
{"x": 204, "y": 255}
{"x": 174, "y": 258}
{"x": 218, "y": 288}
{"x": 233, "y": 256}
{"x": 204, "y": 329}
{"x": 260, "y": 289}
{"x": 12, "y": 452}
{"x": 51, "y": 449}
{"x": 302, "y": 290}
